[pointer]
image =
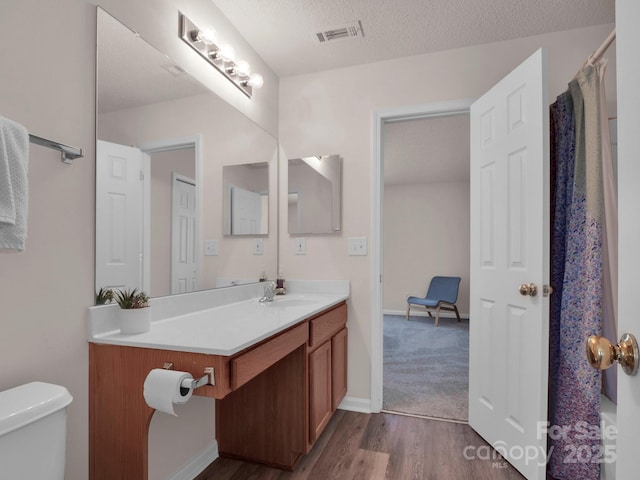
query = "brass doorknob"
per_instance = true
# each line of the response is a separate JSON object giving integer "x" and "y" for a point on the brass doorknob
{"x": 528, "y": 289}
{"x": 601, "y": 354}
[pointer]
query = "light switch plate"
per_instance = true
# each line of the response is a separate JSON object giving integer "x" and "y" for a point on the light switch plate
{"x": 301, "y": 246}
{"x": 211, "y": 247}
{"x": 258, "y": 246}
{"x": 357, "y": 245}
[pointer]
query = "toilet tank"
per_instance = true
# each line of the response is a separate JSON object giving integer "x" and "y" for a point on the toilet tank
{"x": 33, "y": 428}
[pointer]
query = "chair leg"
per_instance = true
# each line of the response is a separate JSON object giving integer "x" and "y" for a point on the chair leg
{"x": 408, "y": 308}
{"x": 429, "y": 312}
{"x": 437, "y": 315}
{"x": 457, "y": 313}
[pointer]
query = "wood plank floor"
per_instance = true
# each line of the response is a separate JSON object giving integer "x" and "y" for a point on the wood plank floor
{"x": 382, "y": 446}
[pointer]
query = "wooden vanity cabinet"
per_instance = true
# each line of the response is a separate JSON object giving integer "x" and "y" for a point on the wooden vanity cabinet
{"x": 273, "y": 399}
{"x": 327, "y": 368}
{"x": 276, "y": 417}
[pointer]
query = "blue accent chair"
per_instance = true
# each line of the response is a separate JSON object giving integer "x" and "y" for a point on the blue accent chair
{"x": 442, "y": 294}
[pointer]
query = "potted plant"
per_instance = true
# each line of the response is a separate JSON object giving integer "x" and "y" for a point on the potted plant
{"x": 104, "y": 295}
{"x": 135, "y": 314}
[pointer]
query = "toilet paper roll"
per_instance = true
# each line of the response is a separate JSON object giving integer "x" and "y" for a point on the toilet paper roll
{"x": 162, "y": 389}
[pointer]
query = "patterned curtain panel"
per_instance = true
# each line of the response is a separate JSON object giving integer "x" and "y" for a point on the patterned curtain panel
{"x": 577, "y": 265}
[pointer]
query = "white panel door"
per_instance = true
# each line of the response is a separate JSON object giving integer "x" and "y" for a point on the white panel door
{"x": 246, "y": 211}
{"x": 508, "y": 355}
{"x": 183, "y": 235}
{"x": 628, "y": 73}
{"x": 118, "y": 216}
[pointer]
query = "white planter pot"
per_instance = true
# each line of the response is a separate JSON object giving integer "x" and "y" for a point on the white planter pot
{"x": 135, "y": 320}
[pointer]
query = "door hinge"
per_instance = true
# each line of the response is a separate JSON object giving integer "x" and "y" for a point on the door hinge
{"x": 141, "y": 175}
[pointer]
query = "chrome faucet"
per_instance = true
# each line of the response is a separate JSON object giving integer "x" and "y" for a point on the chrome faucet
{"x": 269, "y": 292}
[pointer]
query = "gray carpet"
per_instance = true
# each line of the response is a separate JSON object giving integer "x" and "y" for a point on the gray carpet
{"x": 426, "y": 369}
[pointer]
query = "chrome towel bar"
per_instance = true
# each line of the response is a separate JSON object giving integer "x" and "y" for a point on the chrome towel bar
{"x": 68, "y": 153}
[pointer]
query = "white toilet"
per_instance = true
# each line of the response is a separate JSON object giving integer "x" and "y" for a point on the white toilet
{"x": 33, "y": 429}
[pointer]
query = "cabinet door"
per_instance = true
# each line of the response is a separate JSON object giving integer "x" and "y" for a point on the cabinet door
{"x": 319, "y": 390}
{"x": 338, "y": 367}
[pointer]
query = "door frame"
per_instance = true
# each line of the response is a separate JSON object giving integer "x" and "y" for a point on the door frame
{"x": 380, "y": 117}
{"x": 165, "y": 145}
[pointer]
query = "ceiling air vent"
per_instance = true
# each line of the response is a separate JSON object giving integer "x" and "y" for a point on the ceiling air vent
{"x": 174, "y": 70}
{"x": 350, "y": 30}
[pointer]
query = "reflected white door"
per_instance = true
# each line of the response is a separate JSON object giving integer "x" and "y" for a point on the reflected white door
{"x": 118, "y": 216}
{"x": 183, "y": 235}
{"x": 508, "y": 355}
{"x": 246, "y": 211}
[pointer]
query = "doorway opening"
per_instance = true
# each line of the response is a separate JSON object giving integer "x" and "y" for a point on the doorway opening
{"x": 172, "y": 173}
{"x": 426, "y": 234}
{"x": 381, "y": 261}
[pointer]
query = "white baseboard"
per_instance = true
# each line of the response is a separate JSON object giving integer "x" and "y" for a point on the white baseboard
{"x": 354, "y": 404}
{"x": 197, "y": 464}
{"x": 418, "y": 313}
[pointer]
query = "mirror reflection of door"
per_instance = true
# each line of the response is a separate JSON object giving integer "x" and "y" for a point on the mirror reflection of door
{"x": 173, "y": 222}
{"x": 246, "y": 199}
{"x": 183, "y": 235}
{"x": 129, "y": 203}
{"x": 246, "y": 212}
{"x": 119, "y": 216}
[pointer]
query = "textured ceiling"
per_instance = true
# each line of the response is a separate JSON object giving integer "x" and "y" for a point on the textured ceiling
{"x": 283, "y": 31}
{"x": 132, "y": 73}
{"x": 428, "y": 150}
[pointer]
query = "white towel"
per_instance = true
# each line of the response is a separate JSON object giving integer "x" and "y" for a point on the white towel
{"x": 14, "y": 192}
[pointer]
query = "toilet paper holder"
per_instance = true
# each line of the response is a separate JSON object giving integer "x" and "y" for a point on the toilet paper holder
{"x": 207, "y": 379}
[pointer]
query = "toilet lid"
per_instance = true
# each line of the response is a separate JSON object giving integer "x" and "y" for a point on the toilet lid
{"x": 28, "y": 403}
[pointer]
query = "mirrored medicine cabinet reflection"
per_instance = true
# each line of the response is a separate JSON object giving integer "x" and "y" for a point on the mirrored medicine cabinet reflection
{"x": 314, "y": 202}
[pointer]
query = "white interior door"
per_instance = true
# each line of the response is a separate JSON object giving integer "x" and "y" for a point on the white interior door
{"x": 628, "y": 73}
{"x": 118, "y": 216}
{"x": 183, "y": 235}
{"x": 508, "y": 355}
{"x": 246, "y": 211}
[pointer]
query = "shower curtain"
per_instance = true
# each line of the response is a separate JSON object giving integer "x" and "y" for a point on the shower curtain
{"x": 577, "y": 268}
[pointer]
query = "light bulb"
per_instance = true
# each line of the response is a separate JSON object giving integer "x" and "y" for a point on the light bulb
{"x": 227, "y": 53}
{"x": 243, "y": 68}
{"x": 208, "y": 35}
{"x": 256, "y": 80}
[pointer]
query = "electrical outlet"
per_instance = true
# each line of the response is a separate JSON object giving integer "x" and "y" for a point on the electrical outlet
{"x": 258, "y": 246}
{"x": 301, "y": 246}
{"x": 357, "y": 245}
{"x": 211, "y": 247}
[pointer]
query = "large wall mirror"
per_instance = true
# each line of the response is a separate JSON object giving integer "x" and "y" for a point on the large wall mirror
{"x": 314, "y": 202}
{"x": 163, "y": 143}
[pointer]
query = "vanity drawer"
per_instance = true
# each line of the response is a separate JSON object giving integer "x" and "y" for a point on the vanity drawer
{"x": 252, "y": 363}
{"x": 326, "y": 325}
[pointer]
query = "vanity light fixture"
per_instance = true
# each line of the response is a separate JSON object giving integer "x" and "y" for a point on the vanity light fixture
{"x": 222, "y": 56}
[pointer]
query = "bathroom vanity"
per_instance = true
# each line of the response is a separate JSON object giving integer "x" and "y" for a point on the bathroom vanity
{"x": 280, "y": 372}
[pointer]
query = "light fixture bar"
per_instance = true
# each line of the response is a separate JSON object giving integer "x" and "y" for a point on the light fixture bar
{"x": 212, "y": 53}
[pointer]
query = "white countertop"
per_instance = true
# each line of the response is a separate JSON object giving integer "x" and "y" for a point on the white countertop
{"x": 223, "y": 329}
